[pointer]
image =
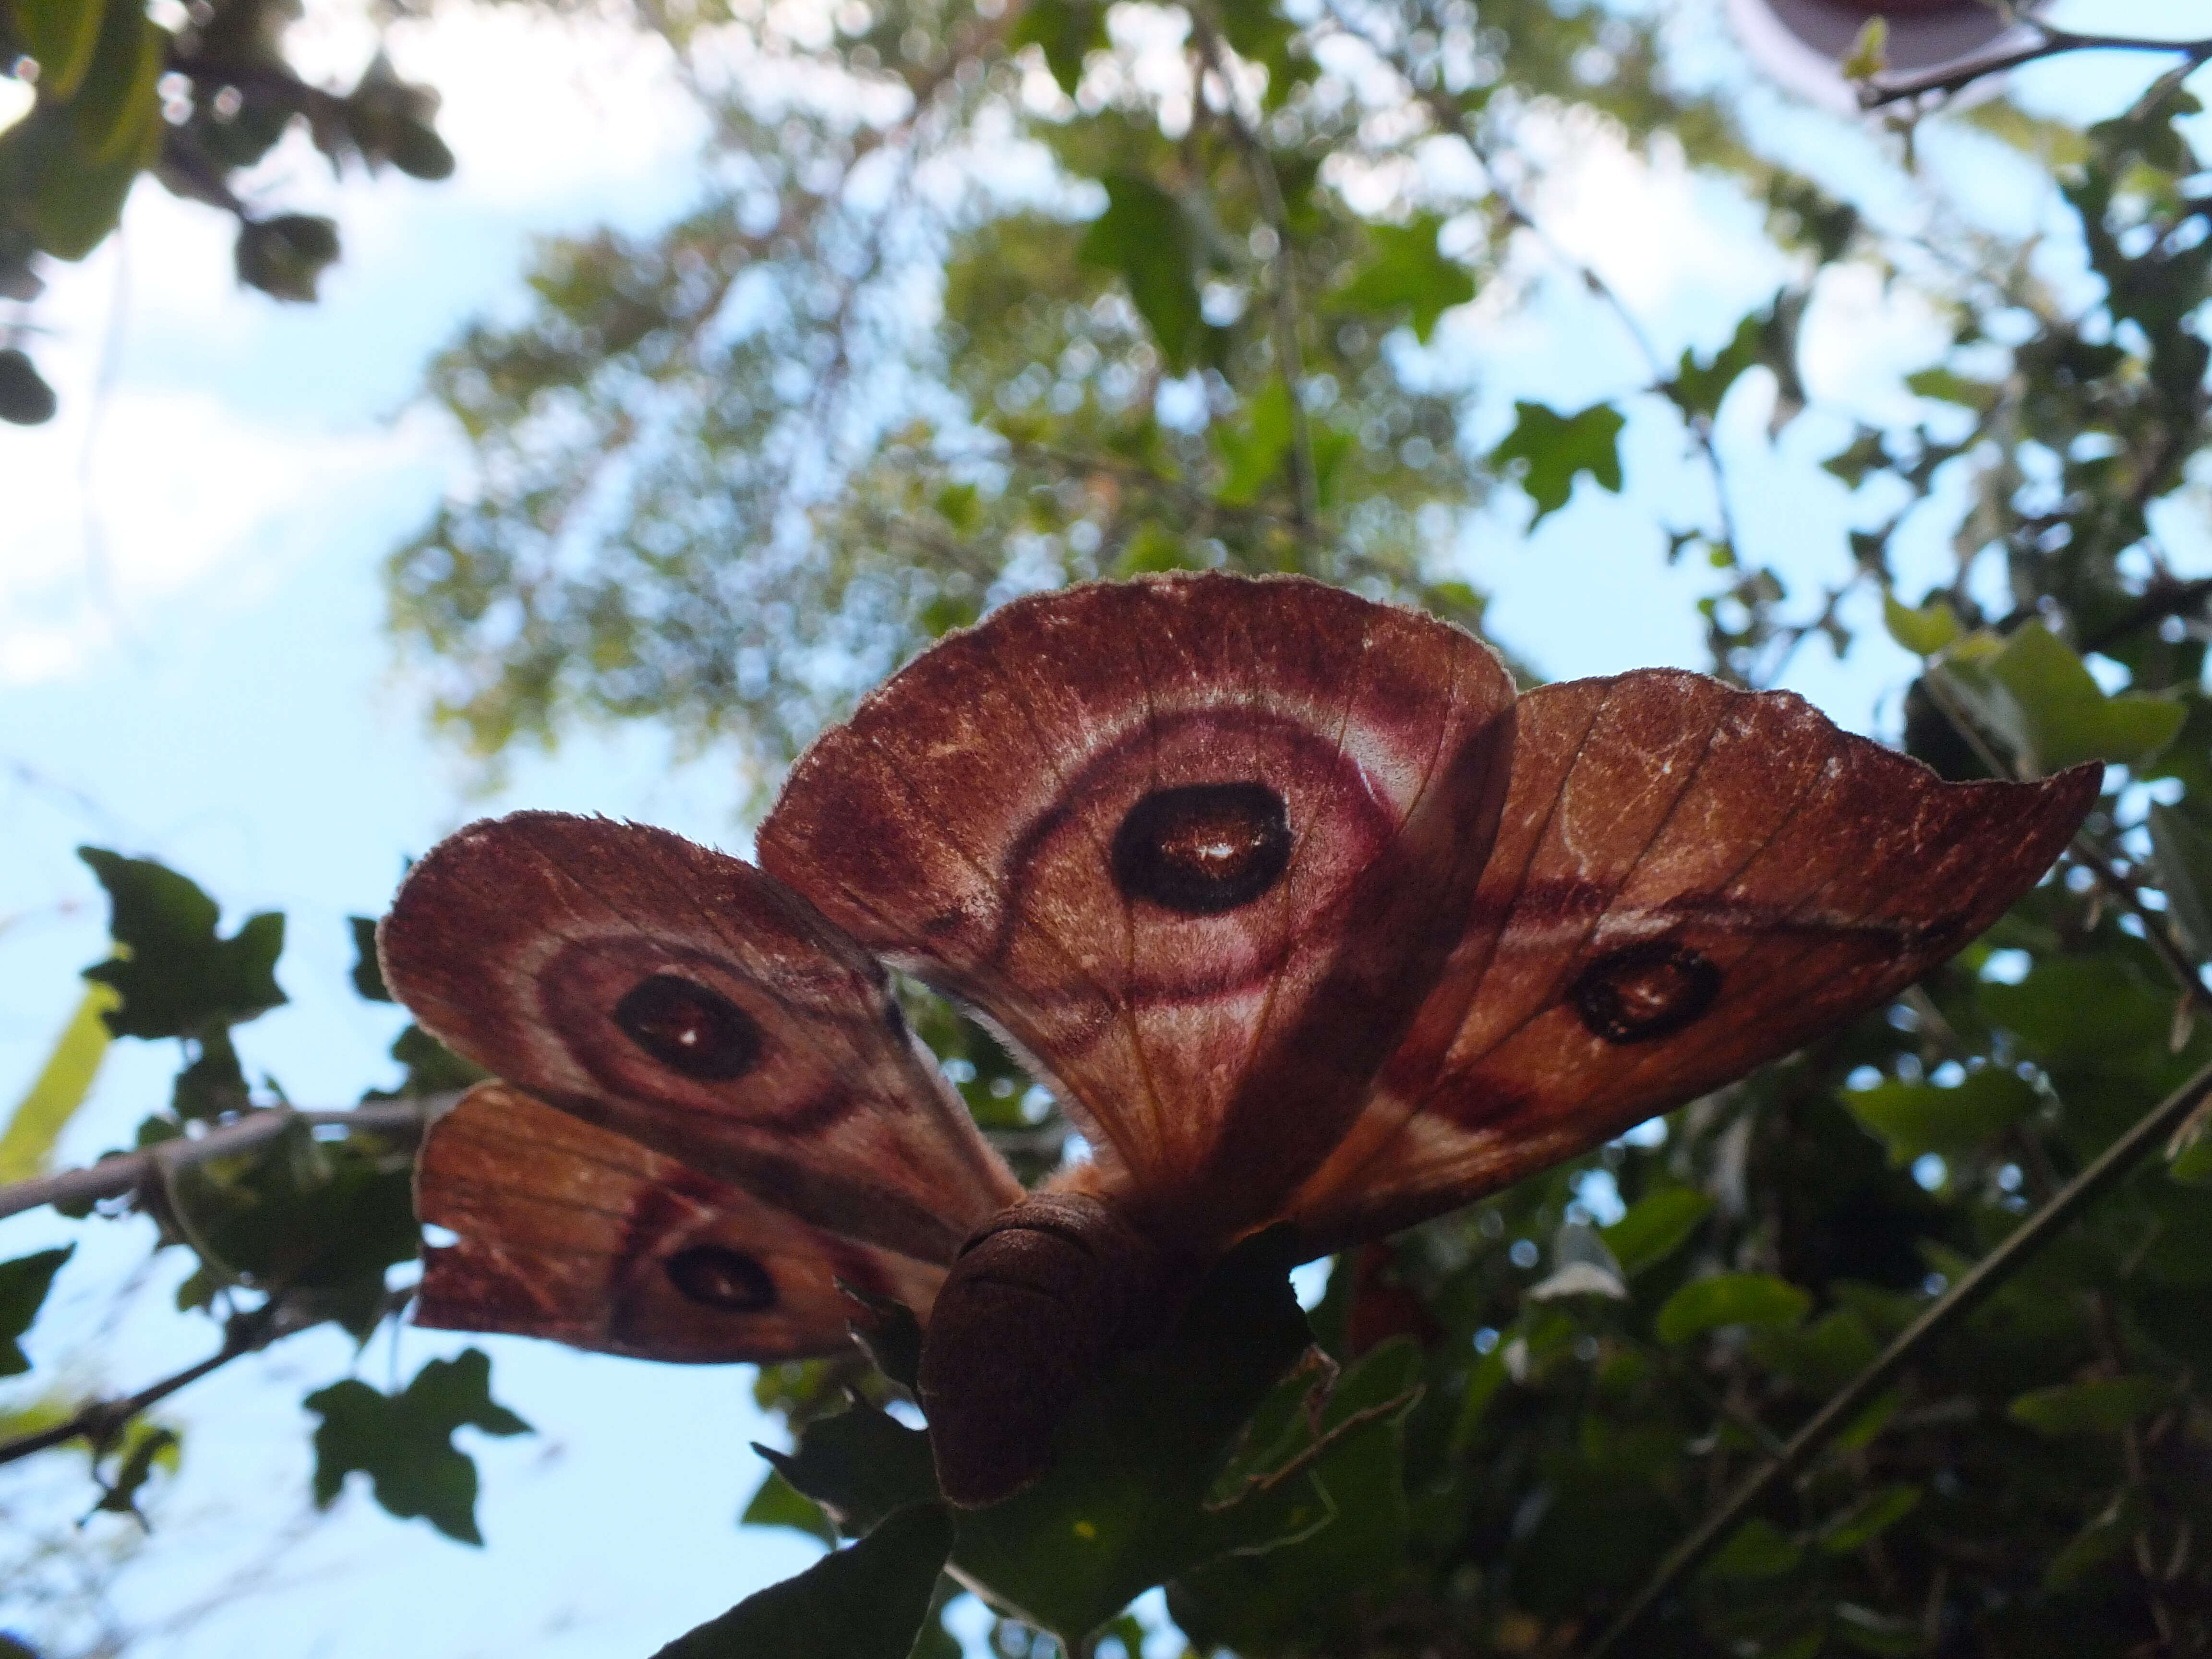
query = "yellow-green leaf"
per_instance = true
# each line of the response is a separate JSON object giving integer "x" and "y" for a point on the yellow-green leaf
{"x": 1923, "y": 632}
{"x": 2104, "y": 1406}
{"x": 1707, "y": 1305}
{"x": 60, "y": 1087}
{"x": 60, "y": 34}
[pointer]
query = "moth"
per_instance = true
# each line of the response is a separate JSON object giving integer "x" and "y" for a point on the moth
{"x": 1306, "y": 919}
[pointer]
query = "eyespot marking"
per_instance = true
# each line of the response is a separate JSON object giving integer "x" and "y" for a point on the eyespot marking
{"x": 716, "y": 1276}
{"x": 689, "y": 1029}
{"x": 1202, "y": 850}
{"x": 1645, "y": 992}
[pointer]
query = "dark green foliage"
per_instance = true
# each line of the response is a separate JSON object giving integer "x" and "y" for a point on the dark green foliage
{"x": 403, "y": 1442}
{"x": 24, "y": 1283}
{"x": 864, "y": 1602}
{"x": 176, "y": 974}
{"x": 285, "y": 256}
{"x": 1553, "y": 449}
{"x": 25, "y": 400}
{"x": 118, "y": 96}
{"x": 1407, "y": 273}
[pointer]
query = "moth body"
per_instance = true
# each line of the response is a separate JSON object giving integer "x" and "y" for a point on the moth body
{"x": 1042, "y": 1299}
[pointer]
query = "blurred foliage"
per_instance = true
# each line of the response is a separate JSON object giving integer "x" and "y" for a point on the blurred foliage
{"x": 198, "y": 96}
{"x": 979, "y": 299}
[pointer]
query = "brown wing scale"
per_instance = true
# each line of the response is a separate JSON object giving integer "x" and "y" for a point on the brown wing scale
{"x": 1688, "y": 881}
{"x": 1195, "y": 843}
{"x": 688, "y": 1001}
{"x": 583, "y": 1237}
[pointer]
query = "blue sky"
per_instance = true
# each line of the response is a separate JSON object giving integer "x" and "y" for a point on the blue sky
{"x": 191, "y": 665}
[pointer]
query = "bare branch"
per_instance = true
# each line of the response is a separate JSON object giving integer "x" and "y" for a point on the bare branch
{"x": 1883, "y": 91}
{"x": 126, "y": 1172}
{"x": 100, "y": 1422}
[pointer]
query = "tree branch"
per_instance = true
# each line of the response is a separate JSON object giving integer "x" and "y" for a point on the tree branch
{"x": 1271, "y": 209}
{"x": 100, "y": 1421}
{"x": 1881, "y": 92}
{"x": 128, "y": 1171}
{"x": 1961, "y": 1299}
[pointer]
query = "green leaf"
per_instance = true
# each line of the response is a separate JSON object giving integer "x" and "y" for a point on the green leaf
{"x": 25, "y": 400}
{"x": 1869, "y": 53}
{"x": 777, "y": 1502}
{"x": 285, "y": 256}
{"x": 1122, "y": 1508}
{"x": 1915, "y": 1118}
{"x": 1756, "y": 1550}
{"x": 2183, "y": 855}
{"x": 1066, "y": 31}
{"x": 1705, "y": 1304}
{"x": 1923, "y": 632}
{"x": 403, "y": 1442}
{"x": 858, "y": 1466}
{"x": 1944, "y": 387}
{"x": 24, "y": 1283}
{"x": 1868, "y": 1519}
{"x": 177, "y": 977}
{"x": 1145, "y": 238}
{"x": 1318, "y": 1516}
{"x": 2104, "y": 1406}
{"x": 118, "y": 102}
{"x": 368, "y": 971}
{"x": 1655, "y": 1227}
{"x": 60, "y": 1087}
{"x": 1555, "y": 448}
{"x": 1698, "y": 388}
{"x": 61, "y": 35}
{"x": 2108, "y": 1533}
{"x": 865, "y": 1602}
{"x": 1405, "y": 272}
{"x": 2042, "y": 699}
{"x": 1256, "y": 447}
{"x": 149, "y": 1448}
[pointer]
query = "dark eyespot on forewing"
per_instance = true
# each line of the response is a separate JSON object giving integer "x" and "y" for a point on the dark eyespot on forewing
{"x": 1203, "y": 848}
{"x": 689, "y": 1029}
{"x": 1645, "y": 992}
{"x": 716, "y": 1276}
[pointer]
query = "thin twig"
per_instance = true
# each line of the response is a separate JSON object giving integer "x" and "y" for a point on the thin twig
{"x": 1271, "y": 209}
{"x": 1962, "y": 1298}
{"x": 1883, "y": 91}
{"x": 128, "y": 1171}
{"x": 100, "y": 1421}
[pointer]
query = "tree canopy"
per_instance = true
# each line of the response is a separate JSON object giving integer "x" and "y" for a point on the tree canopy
{"x": 1895, "y": 1347}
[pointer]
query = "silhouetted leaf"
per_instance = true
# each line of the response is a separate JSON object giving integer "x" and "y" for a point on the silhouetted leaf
{"x": 403, "y": 1442}
{"x": 1555, "y": 448}
{"x": 866, "y": 1601}
{"x": 1405, "y": 272}
{"x": 24, "y": 1283}
{"x": 176, "y": 975}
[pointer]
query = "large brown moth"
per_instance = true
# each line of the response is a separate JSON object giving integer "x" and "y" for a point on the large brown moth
{"x": 1306, "y": 919}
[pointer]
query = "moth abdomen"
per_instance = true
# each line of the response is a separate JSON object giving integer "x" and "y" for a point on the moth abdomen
{"x": 1042, "y": 1298}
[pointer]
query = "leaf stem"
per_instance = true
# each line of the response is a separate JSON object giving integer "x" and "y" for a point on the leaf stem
{"x": 1962, "y": 1298}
